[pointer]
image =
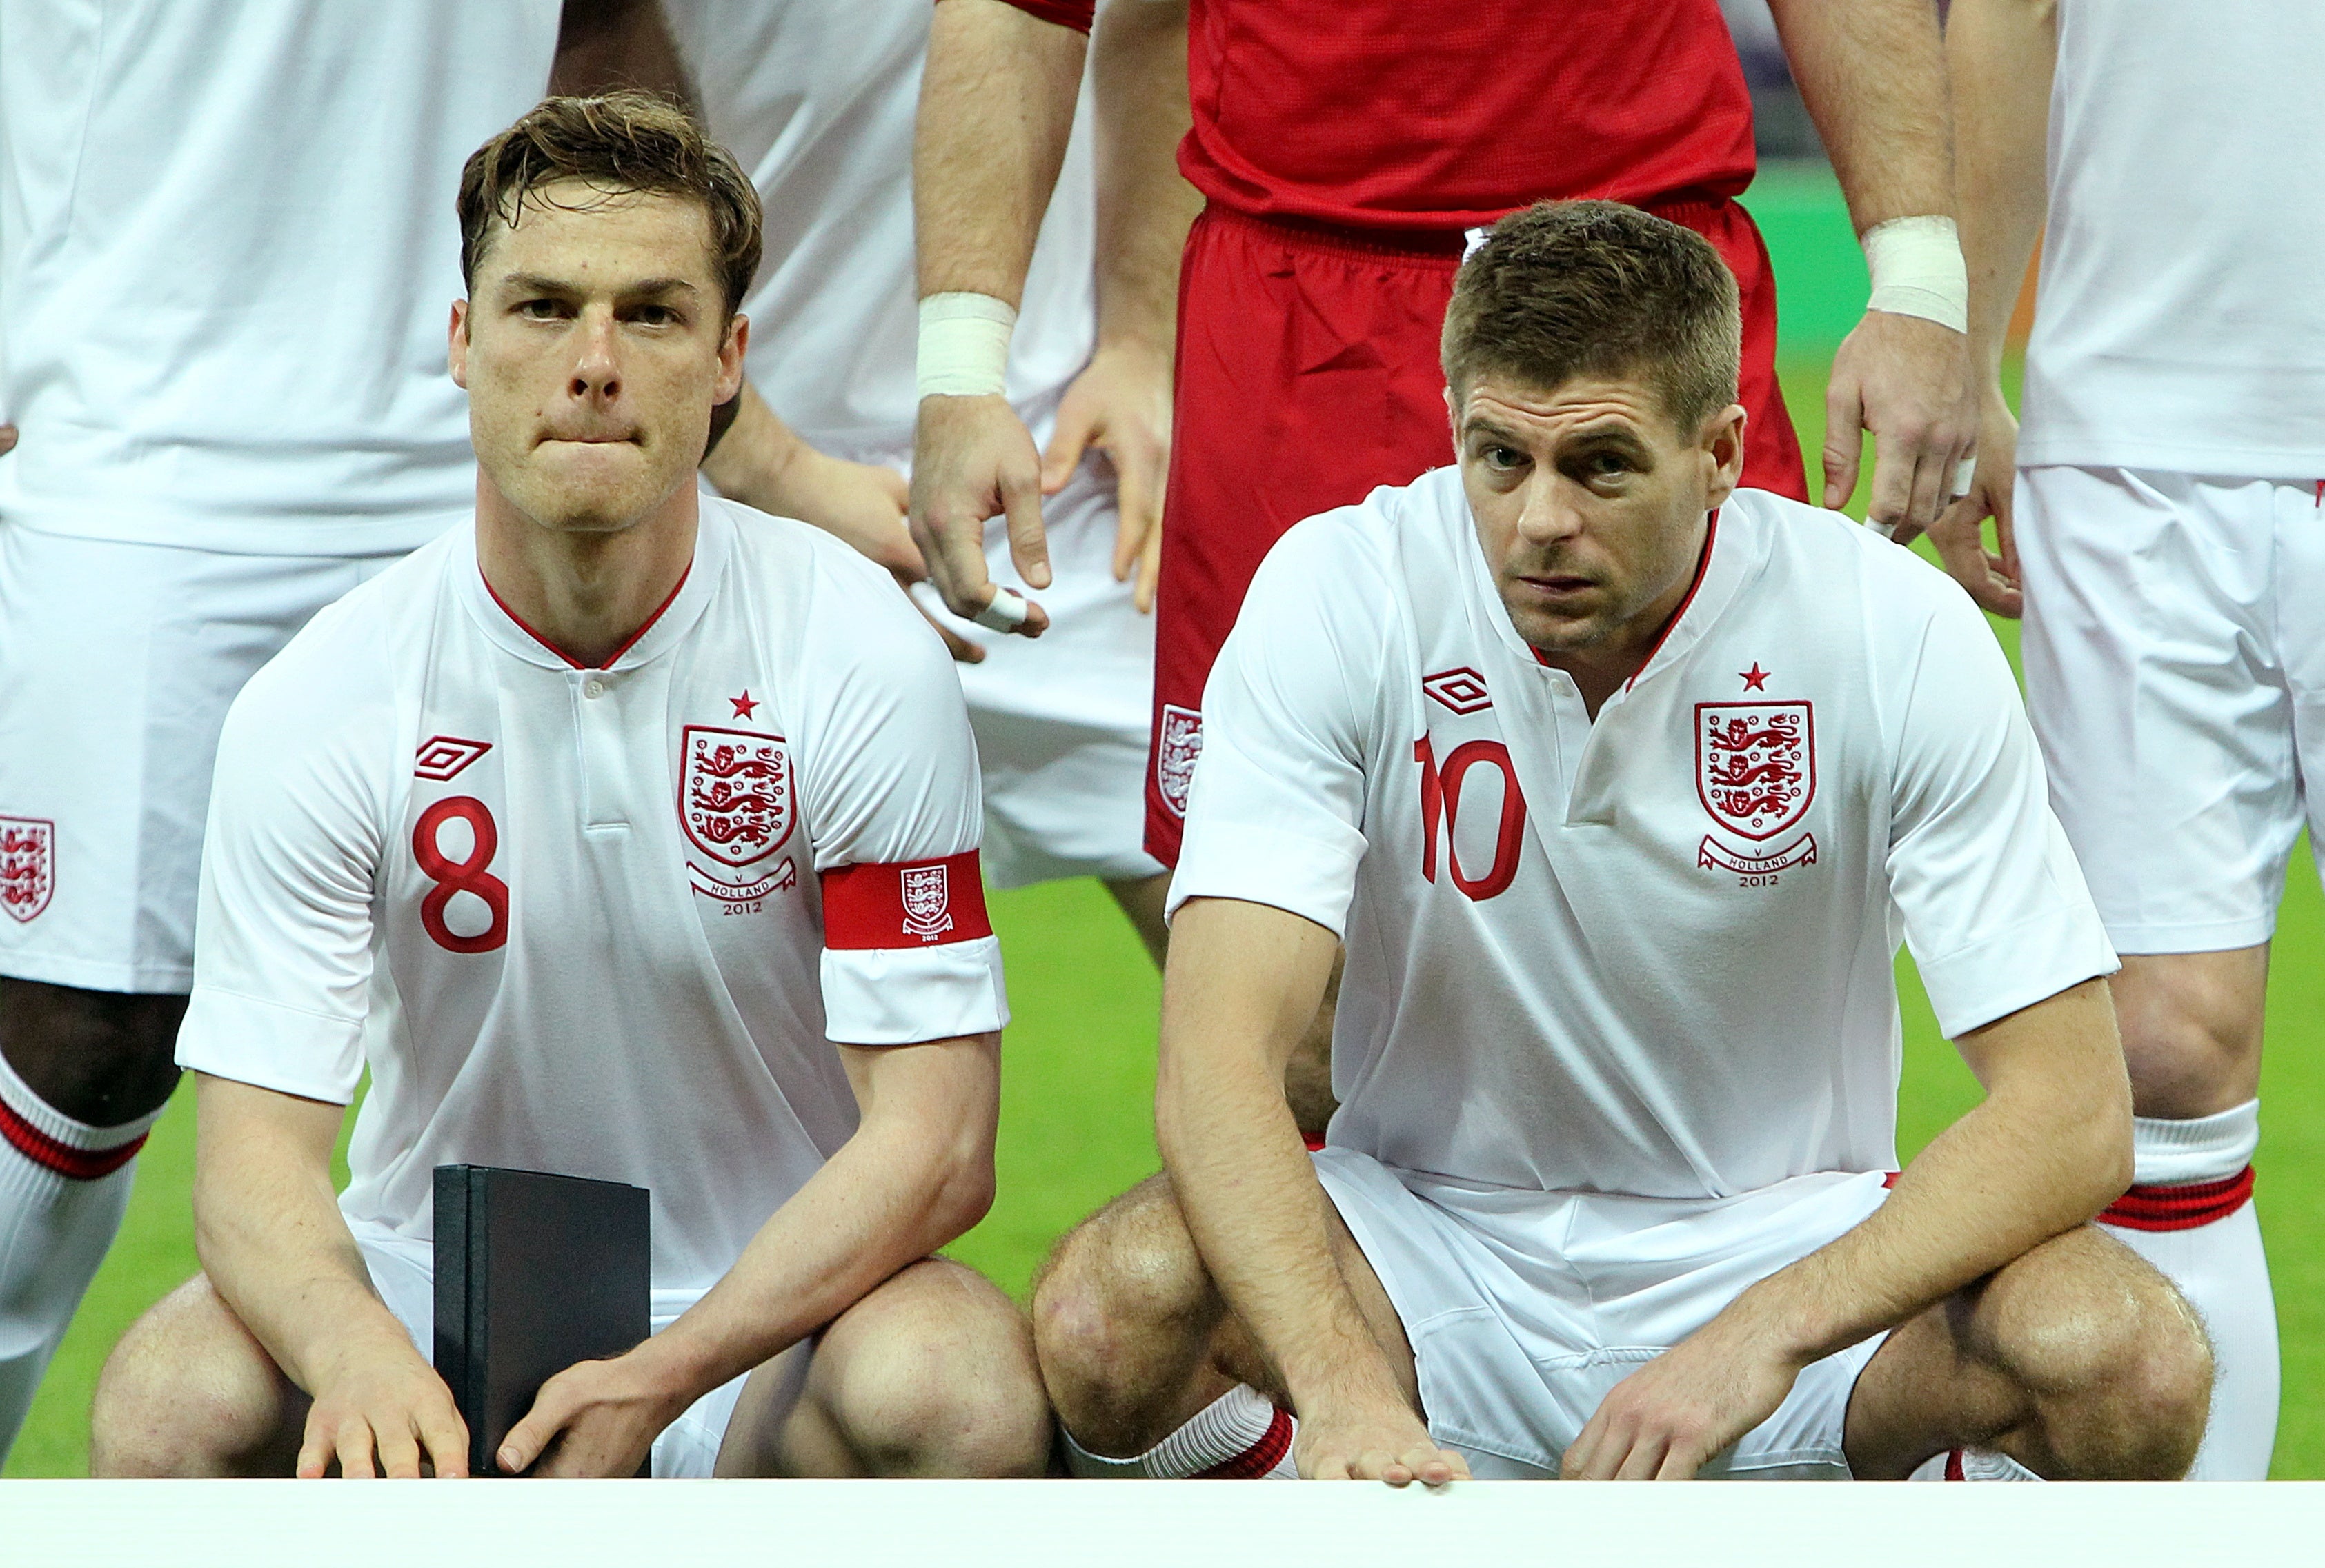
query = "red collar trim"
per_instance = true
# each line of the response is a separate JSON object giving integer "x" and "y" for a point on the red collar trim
{"x": 1702, "y": 565}
{"x": 572, "y": 663}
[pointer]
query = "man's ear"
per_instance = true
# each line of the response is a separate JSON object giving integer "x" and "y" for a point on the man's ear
{"x": 731, "y": 352}
{"x": 1722, "y": 445}
{"x": 457, "y": 344}
{"x": 1453, "y": 421}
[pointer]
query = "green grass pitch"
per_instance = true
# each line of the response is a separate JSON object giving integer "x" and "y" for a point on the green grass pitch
{"x": 1076, "y": 1126}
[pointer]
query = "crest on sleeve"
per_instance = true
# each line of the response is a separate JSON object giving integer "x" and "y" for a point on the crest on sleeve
{"x": 1755, "y": 765}
{"x": 1178, "y": 746}
{"x": 928, "y": 902}
{"x": 734, "y": 793}
{"x": 28, "y": 866}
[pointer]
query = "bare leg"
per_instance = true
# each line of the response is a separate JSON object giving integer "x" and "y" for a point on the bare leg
{"x": 99, "y": 1057}
{"x": 930, "y": 1375}
{"x": 188, "y": 1392}
{"x": 1134, "y": 1339}
{"x": 2078, "y": 1360}
{"x": 1308, "y": 1076}
{"x": 2191, "y": 1029}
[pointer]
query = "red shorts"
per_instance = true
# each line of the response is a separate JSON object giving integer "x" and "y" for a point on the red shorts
{"x": 1308, "y": 376}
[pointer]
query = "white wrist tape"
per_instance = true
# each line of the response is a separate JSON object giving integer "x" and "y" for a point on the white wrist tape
{"x": 1917, "y": 270}
{"x": 1006, "y": 613}
{"x": 964, "y": 349}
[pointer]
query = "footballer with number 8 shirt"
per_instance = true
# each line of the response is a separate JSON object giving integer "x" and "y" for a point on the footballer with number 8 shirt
{"x": 1620, "y": 784}
{"x": 631, "y": 834}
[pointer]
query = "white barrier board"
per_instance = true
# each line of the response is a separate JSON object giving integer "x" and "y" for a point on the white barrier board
{"x": 1149, "y": 1525}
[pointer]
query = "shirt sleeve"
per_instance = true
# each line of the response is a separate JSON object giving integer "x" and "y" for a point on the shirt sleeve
{"x": 283, "y": 954}
{"x": 1995, "y": 906}
{"x": 1276, "y": 813}
{"x": 890, "y": 786}
{"x": 1076, "y": 14}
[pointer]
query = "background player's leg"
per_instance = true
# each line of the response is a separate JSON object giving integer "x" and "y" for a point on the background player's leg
{"x": 83, "y": 1074}
{"x": 932, "y": 1375}
{"x": 1152, "y": 1376}
{"x": 2078, "y": 1360}
{"x": 188, "y": 1392}
{"x": 2191, "y": 1032}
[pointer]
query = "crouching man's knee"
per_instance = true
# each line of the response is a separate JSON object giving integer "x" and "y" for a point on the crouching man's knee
{"x": 188, "y": 1392}
{"x": 2117, "y": 1362}
{"x": 1123, "y": 1315}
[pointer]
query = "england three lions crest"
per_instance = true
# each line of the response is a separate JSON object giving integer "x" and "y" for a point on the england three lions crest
{"x": 734, "y": 793}
{"x": 928, "y": 902}
{"x": 1175, "y": 751}
{"x": 1755, "y": 765}
{"x": 28, "y": 866}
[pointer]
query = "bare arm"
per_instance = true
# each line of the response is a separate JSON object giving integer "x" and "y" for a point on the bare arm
{"x": 2047, "y": 1149}
{"x": 2000, "y": 54}
{"x": 1872, "y": 76}
{"x": 916, "y": 1173}
{"x": 269, "y": 1233}
{"x": 997, "y": 108}
{"x": 1240, "y": 991}
{"x": 1121, "y": 403}
{"x": 603, "y": 44}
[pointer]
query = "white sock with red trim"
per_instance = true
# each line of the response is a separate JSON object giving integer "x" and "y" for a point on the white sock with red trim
{"x": 63, "y": 1188}
{"x": 2190, "y": 1213}
{"x": 1241, "y": 1435}
{"x": 1971, "y": 1464}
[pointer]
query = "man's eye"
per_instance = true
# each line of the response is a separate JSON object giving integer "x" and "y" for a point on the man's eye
{"x": 1605, "y": 465}
{"x": 1505, "y": 458}
{"x": 655, "y": 315}
{"x": 541, "y": 310}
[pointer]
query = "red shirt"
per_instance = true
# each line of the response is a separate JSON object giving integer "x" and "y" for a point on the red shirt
{"x": 1439, "y": 114}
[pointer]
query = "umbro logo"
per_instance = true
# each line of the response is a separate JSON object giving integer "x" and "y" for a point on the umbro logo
{"x": 443, "y": 756}
{"x": 1462, "y": 690}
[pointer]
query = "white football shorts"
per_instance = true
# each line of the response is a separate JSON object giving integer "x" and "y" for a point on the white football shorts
{"x": 2175, "y": 673}
{"x": 1524, "y": 1308}
{"x": 403, "y": 1272}
{"x": 117, "y": 663}
{"x": 1061, "y": 720}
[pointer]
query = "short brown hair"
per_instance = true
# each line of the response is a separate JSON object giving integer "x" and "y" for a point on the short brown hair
{"x": 1596, "y": 288}
{"x": 624, "y": 142}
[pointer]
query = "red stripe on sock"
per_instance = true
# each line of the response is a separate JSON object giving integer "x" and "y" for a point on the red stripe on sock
{"x": 2180, "y": 1208}
{"x": 1954, "y": 1471}
{"x": 1254, "y": 1462}
{"x": 73, "y": 1164}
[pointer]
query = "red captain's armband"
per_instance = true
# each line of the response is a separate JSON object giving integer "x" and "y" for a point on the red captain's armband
{"x": 910, "y": 903}
{"x": 1074, "y": 13}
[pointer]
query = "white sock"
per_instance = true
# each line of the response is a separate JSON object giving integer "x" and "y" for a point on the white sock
{"x": 1973, "y": 1464}
{"x": 2190, "y": 1215}
{"x": 1241, "y": 1435}
{"x": 63, "y": 1188}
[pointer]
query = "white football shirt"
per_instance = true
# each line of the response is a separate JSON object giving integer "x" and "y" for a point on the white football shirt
{"x": 1650, "y": 954}
{"x": 603, "y": 922}
{"x": 817, "y": 101}
{"x": 2179, "y": 324}
{"x": 228, "y": 255}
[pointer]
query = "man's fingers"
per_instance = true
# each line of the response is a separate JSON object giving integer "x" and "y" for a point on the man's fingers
{"x": 2000, "y": 496}
{"x": 399, "y": 1453}
{"x": 1644, "y": 1458}
{"x": 1138, "y": 504}
{"x": 1029, "y": 548}
{"x": 1072, "y": 437}
{"x": 8, "y": 440}
{"x": 523, "y": 1445}
{"x": 315, "y": 1450}
{"x": 1933, "y": 482}
{"x": 1150, "y": 573}
{"x": 1435, "y": 1467}
{"x": 1844, "y": 441}
{"x": 1890, "y": 504}
{"x": 445, "y": 1436}
{"x": 354, "y": 1445}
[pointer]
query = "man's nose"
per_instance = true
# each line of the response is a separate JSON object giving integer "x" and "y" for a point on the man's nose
{"x": 597, "y": 366}
{"x": 1549, "y": 513}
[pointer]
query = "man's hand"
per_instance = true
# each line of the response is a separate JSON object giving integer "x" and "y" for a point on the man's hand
{"x": 1908, "y": 381}
{"x": 8, "y": 440}
{"x": 1666, "y": 1420}
{"x": 1960, "y": 534}
{"x": 380, "y": 1398}
{"x": 1384, "y": 1441}
{"x": 598, "y": 1418}
{"x": 972, "y": 457}
{"x": 1121, "y": 405}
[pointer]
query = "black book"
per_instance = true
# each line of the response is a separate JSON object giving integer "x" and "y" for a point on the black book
{"x": 534, "y": 1273}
